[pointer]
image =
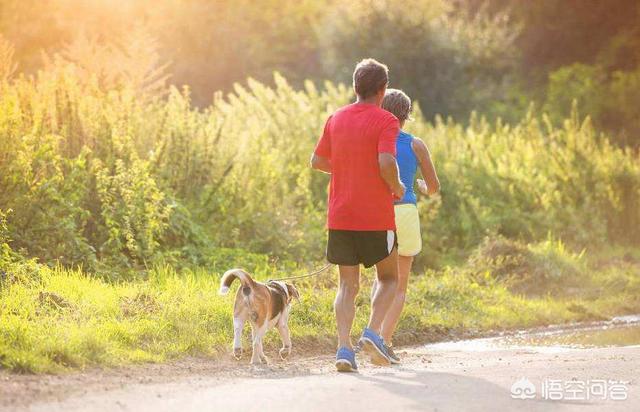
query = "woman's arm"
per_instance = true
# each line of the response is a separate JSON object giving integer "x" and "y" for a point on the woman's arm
{"x": 426, "y": 167}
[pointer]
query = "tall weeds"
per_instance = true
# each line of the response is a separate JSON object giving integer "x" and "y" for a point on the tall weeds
{"x": 97, "y": 175}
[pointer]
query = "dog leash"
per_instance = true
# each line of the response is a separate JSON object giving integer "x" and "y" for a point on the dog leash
{"x": 317, "y": 272}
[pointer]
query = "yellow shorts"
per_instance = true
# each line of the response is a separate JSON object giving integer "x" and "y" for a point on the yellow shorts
{"x": 408, "y": 229}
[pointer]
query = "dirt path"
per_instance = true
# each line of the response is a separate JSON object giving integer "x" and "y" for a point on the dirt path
{"x": 433, "y": 378}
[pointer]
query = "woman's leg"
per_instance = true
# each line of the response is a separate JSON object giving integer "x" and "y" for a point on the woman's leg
{"x": 393, "y": 314}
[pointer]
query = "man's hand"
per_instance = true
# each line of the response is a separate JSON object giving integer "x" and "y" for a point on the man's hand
{"x": 389, "y": 173}
{"x": 399, "y": 191}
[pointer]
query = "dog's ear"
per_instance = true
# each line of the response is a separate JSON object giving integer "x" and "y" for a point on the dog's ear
{"x": 293, "y": 292}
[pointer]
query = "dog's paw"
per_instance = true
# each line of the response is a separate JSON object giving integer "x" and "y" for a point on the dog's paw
{"x": 285, "y": 352}
{"x": 237, "y": 353}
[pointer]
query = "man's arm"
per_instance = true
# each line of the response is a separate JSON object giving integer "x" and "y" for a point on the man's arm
{"x": 426, "y": 167}
{"x": 321, "y": 163}
{"x": 321, "y": 157}
{"x": 389, "y": 172}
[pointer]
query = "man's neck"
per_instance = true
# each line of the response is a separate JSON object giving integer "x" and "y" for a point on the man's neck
{"x": 370, "y": 100}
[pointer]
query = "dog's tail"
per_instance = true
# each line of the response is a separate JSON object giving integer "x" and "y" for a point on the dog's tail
{"x": 230, "y": 275}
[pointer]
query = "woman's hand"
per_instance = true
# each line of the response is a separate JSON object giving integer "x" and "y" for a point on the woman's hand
{"x": 426, "y": 168}
{"x": 422, "y": 187}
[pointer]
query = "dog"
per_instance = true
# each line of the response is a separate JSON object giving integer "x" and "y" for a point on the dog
{"x": 264, "y": 305}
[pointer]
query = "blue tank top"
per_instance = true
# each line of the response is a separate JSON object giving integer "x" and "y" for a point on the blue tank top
{"x": 408, "y": 165}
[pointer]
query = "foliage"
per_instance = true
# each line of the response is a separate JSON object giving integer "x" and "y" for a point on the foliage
{"x": 4, "y": 232}
{"x": 558, "y": 33}
{"x": 456, "y": 61}
{"x": 452, "y": 63}
{"x": 174, "y": 314}
{"x": 581, "y": 83}
{"x": 133, "y": 209}
{"x": 569, "y": 51}
{"x": 7, "y": 63}
{"x": 541, "y": 268}
{"x": 527, "y": 180}
{"x": 621, "y": 101}
{"x": 611, "y": 99}
{"x": 5, "y": 250}
{"x": 131, "y": 60}
{"x": 97, "y": 175}
{"x": 453, "y": 57}
{"x": 106, "y": 179}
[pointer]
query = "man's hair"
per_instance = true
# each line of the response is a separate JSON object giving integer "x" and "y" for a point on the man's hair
{"x": 398, "y": 103}
{"x": 369, "y": 77}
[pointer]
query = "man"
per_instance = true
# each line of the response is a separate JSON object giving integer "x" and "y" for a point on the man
{"x": 358, "y": 149}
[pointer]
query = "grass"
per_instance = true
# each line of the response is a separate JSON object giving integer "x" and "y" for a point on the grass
{"x": 55, "y": 319}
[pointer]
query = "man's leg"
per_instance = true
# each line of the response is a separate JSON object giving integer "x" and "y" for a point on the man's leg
{"x": 387, "y": 279}
{"x": 393, "y": 315}
{"x": 345, "y": 303}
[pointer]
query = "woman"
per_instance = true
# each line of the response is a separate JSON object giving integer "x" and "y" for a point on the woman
{"x": 411, "y": 154}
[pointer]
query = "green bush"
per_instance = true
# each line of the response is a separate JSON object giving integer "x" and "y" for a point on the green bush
{"x": 622, "y": 103}
{"x": 612, "y": 100}
{"x": 133, "y": 210}
{"x": 581, "y": 83}
{"x": 539, "y": 268}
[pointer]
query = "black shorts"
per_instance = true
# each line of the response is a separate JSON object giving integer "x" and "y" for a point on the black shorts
{"x": 353, "y": 247}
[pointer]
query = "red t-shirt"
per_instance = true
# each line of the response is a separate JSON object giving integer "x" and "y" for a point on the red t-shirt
{"x": 359, "y": 199}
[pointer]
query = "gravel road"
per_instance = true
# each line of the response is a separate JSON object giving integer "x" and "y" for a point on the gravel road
{"x": 467, "y": 376}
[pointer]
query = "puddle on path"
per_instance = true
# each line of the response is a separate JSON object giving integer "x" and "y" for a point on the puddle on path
{"x": 620, "y": 331}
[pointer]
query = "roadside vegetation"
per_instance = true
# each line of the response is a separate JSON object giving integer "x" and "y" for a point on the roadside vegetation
{"x": 55, "y": 319}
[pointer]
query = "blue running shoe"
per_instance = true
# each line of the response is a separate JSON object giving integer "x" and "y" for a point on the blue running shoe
{"x": 374, "y": 346}
{"x": 346, "y": 360}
